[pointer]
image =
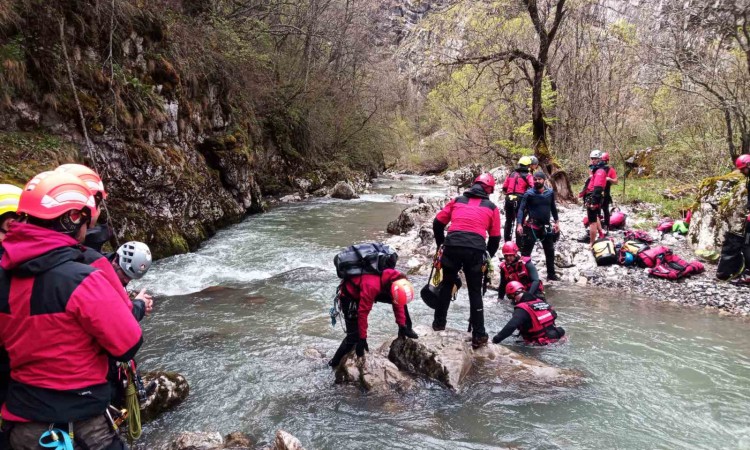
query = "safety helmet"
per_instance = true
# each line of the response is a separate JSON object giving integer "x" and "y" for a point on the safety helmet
{"x": 595, "y": 154}
{"x": 487, "y": 180}
{"x": 513, "y": 288}
{"x": 88, "y": 176}
{"x": 534, "y": 160}
{"x": 605, "y": 156}
{"x": 743, "y": 161}
{"x": 510, "y": 248}
{"x": 134, "y": 258}
{"x": 9, "y": 196}
{"x": 629, "y": 259}
{"x": 402, "y": 292}
{"x": 525, "y": 161}
{"x": 51, "y": 194}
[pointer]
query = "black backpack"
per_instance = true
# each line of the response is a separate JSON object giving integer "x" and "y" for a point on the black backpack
{"x": 367, "y": 258}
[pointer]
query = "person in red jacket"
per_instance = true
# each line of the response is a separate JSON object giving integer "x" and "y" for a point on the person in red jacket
{"x": 97, "y": 234}
{"x": 358, "y": 294}
{"x": 533, "y": 317}
{"x": 514, "y": 267}
{"x": 472, "y": 217}
{"x": 514, "y": 186}
{"x": 593, "y": 195}
{"x": 743, "y": 165}
{"x": 60, "y": 320}
{"x": 611, "y": 180}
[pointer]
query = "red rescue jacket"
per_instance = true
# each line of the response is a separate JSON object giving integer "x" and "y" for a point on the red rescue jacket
{"x": 472, "y": 217}
{"x": 518, "y": 272}
{"x": 516, "y": 184}
{"x": 542, "y": 317}
{"x": 598, "y": 180}
{"x": 367, "y": 289}
{"x": 59, "y": 321}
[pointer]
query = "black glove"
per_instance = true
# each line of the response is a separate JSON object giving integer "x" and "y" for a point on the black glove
{"x": 496, "y": 339}
{"x": 361, "y": 348}
{"x": 596, "y": 202}
{"x": 407, "y": 332}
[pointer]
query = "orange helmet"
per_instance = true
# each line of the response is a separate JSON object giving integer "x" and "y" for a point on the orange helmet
{"x": 402, "y": 291}
{"x": 51, "y": 194}
{"x": 88, "y": 176}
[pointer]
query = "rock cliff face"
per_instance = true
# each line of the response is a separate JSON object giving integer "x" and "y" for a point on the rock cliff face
{"x": 720, "y": 208}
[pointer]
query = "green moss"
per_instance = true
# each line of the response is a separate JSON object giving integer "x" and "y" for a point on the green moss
{"x": 24, "y": 154}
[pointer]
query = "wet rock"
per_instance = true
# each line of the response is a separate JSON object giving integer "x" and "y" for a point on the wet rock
{"x": 413, "y": 216}
{"x": 444, "y": 356}
{"x": 464, "y": 176}
{"x": 322, "y": 192}
{"x": 290, "y": 198}
{"x": 285, "y": 441}
{"x": 517, "y": 368}
{"x": 190, "y": 440}
{"x": 238, "y": 440}
{"x": 171, "y": 390}
{"x": 405, "y": 198}
{"x": 344, "y": 191}
{"x": 313, "y": 353}
{"x": 374, "y": 372}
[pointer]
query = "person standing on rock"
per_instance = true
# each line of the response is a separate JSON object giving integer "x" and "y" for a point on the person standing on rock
{"x": 358, "y": 294}
{"x": 533, "y": 317}
{"x": 518, "y": 268}
{"x": 514, "y": 186}
{"x": 743, "y": 165}
{"x": 611, "y": 180}
{"x": 472, "y": 217}
{"x": 60, "y": 320}
{"x": 593, "y": 195}
{"x": 537, "y": 208}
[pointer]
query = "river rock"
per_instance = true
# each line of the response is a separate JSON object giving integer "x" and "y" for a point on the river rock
{"x": 344, "y": 191}
{"x": 374, "y": 372}
{"x": 464, "y": 176}
{"x": 721, "y": 208}
{"x": 285, "y": 441}
{"x": 197, "y": 440}
{"x": 171, "y": 390}
{"x": 239, "y": 440}
{"x": 413, "y": 216}
{"x": 444, "y": 356}
{"x": 291, "y": 198}
{"x": 514, "y": 367}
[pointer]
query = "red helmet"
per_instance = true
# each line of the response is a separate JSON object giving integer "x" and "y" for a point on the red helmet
{"x": 402, "y": 291}
{"x": 488, "y": 180}
{"x": 742, "y": 162}
{"x": 605, "y": 156}
{"x": 88, "y": 176}
{"x": 51, "y": 194}
{"x": 510, "y": 248}
{"x": 513, "y": 288}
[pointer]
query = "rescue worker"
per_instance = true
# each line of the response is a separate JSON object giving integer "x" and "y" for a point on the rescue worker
{"x": 131, "y": 262}
{"x": 358, "y": 294}
{"x": 532, "y": 317}
{"x": 472, "y": 217}
{"x": 99, "y": 233}
{"x": 743, "y": 165}
{"x": 9, "y": 196}
{"x": 534, "y": 166}
{"x": 60, "y": 333}
{"x": 534, "y": 214}
{"x": 515, "y": 267}
{"x": 593, "y": 195}
{"x": 514, "y": 187}
{"x": 611, "y": 180}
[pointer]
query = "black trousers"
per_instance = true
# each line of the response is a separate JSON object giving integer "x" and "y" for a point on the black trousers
{"x": 349, "y": 309}
{"x": 529, "y": 238}
{"x": 606, "y": 204}
{"x": 511, "y": 209}
{"x": 470, "y": 260}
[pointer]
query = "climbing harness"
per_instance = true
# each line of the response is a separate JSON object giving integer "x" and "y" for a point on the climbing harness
{"x": 58, "y": 439}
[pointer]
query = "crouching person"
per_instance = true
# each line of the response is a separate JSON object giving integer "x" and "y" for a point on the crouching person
{"x": 358, "y": 294}
{"x": 532, "y": 317}
{"x": 59, "y": 321}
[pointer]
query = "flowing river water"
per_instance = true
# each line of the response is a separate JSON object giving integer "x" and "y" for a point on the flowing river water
{"x": 657, "y": 375}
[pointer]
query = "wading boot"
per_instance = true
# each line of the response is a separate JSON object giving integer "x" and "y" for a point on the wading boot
{"x": 479, "y": 341}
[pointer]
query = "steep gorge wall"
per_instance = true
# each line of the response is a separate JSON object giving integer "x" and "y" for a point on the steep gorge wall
{"x": 179, "y": 155}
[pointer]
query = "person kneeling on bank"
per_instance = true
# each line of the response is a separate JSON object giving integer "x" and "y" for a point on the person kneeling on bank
{"x": 533, "y": 317}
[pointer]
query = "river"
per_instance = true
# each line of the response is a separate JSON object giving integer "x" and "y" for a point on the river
{"x": 658, "y": 375}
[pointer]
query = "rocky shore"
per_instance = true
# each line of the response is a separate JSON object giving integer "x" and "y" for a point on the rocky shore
{"x": 414, "y": 240}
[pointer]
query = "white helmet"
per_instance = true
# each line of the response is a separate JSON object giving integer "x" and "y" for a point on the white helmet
{"x": 134, "y": 259}
{"x": 595, "y": 154}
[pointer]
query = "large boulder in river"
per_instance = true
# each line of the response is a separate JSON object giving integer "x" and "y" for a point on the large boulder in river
{"x": 171, "y": 390}
{"x": 343, "y": 190}
{"x": 374, "y": 372}
{"x": 464, "y": 176}
{"x": 720, "y": 208}
{"x": 415, "y": 215}
{"x": 447, "y": 356}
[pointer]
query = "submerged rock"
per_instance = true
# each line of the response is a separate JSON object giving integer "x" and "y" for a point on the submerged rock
{"x": 190, "y": 440}
{"x": 285, "y": 441}
{"x": 447, "y": 357}
{"x": 171, "y": 390}
{"x": 344, "y": 191}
